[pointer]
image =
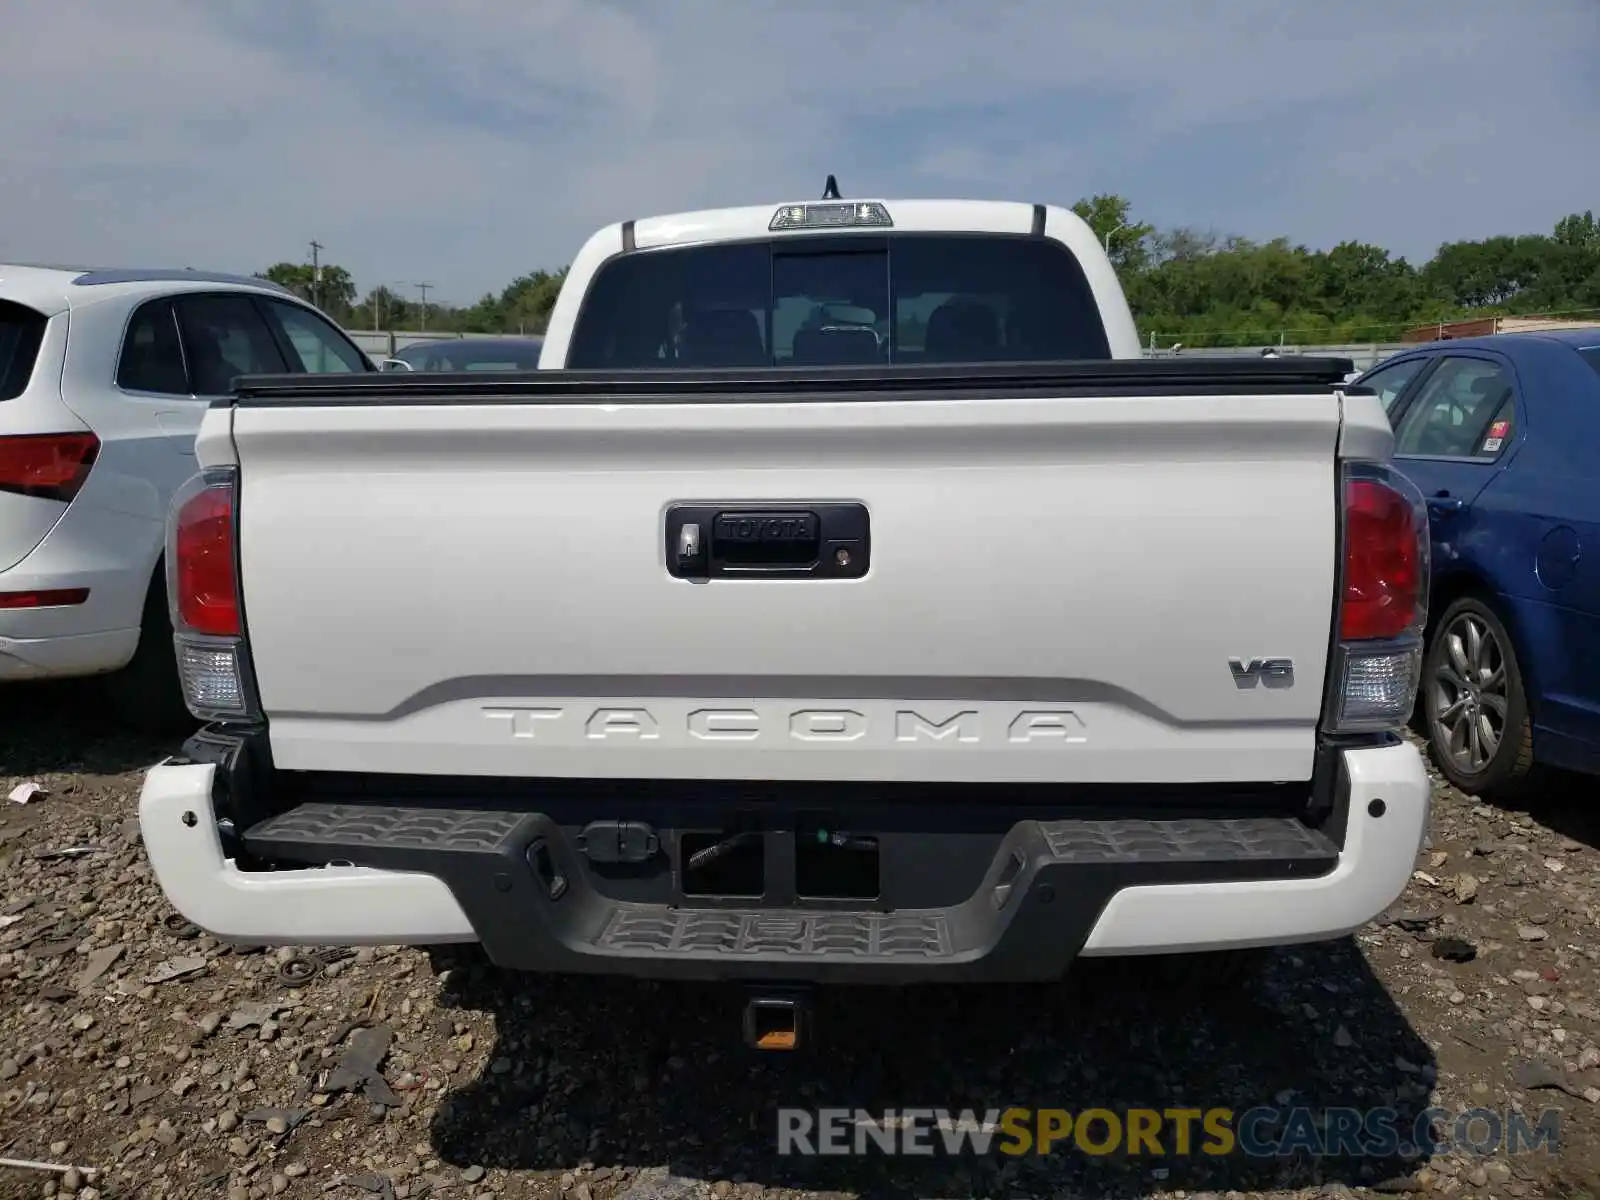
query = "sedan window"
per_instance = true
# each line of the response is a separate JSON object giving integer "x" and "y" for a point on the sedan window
{"x": 1389, "y": 382}
{"x": 224, "y": 337}
{"x": 318, "y": 347}
{"x": 1451, "y": 416}
{"x": 151, "y": 358}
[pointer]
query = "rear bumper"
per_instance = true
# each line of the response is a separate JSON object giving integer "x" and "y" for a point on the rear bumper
{"x": 66, "y": 656}
{"x": 107, "y": 553}
{"x": 1054, "y": 889}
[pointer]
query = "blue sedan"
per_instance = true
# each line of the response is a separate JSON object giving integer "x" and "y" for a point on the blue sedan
{"x": 1502, "y": 435}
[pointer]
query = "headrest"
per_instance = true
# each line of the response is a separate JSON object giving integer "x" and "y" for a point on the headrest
{"x": 835, "y": 344}
{"x": 722, "y": 337}
{"x": 962, "y": 328}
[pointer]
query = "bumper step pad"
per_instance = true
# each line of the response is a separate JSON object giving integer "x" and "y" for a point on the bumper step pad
{"x": 1049, "y": 882}
{"x": 1220, "y": 840}
{"x": 328, "y": 827}
{"x": 796, "y": 935}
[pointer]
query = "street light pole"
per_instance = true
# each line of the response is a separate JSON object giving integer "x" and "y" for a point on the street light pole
{"x": 1107, "y": 239}
{"x": 316, "y": 272}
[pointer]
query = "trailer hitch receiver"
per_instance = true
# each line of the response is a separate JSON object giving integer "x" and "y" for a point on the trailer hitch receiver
{"x": 777, "y": 1021}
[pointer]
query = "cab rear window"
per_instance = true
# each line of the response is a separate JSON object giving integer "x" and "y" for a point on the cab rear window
{"x": 797, "y": 301}
{"x": 21, "y": 333}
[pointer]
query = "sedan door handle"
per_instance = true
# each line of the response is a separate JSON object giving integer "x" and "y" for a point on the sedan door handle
{"x": 1446, "y": 504}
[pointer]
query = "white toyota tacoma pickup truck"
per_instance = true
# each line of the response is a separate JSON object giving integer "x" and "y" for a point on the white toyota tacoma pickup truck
{"x": 843, "y": 600}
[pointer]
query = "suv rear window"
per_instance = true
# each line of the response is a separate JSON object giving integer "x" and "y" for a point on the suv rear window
{"x": 904, "y": 298}
{"x": 21, "y": 332}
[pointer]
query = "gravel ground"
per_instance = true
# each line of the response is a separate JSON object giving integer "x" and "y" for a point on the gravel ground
{"x": 175, "y": 1066}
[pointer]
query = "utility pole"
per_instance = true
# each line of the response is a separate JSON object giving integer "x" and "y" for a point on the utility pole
{"x": 316, "y": 272}
{"x": 423, "y": 288}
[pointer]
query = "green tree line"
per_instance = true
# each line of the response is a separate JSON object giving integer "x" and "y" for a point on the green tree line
{"x": 1184, "y": 285}
{"x": 522, "y": 307}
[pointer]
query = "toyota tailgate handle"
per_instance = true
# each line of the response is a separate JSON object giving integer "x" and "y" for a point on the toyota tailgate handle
{"x": 802, "y": 541}
{"x": 766, "y": 540}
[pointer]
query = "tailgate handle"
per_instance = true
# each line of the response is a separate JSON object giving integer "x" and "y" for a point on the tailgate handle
{"x": 799, "y": 541}
{"x": 766, "y": 539}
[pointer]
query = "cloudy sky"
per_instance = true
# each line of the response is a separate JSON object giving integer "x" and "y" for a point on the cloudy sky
{"x": 465, "y": 142}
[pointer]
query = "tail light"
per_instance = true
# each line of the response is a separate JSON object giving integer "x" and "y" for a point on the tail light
{"x": 203, "y": 596}
{"x": 1383, "y": 600}
{"x": 47, "y": 466}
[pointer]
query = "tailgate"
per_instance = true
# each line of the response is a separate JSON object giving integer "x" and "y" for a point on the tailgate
{"x": 478, "y": 584}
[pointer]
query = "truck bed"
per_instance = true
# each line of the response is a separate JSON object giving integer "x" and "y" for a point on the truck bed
{"x": 1075, "y": 572}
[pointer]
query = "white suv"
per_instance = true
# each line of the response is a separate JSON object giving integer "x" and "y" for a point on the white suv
{"x": 104, "y": 376}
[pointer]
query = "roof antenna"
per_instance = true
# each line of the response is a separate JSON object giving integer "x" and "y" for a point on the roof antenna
{"x": 830, "y": 190}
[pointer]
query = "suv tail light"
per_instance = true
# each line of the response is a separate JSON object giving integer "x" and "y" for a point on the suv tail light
{"x": 1383, "y": 600}
{"x": 48, "y": 466}
{"x": 203, "y": 597}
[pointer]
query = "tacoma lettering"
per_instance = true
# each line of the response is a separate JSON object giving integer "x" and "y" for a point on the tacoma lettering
{"x": 1055, "y": 726}
{"x": 911, "y": 726}
{"x": 827, "y": 725}
{"x": 725, "y": 724}
{"x": 906, "y": 726}
{"x": 521, "y": 719}
{"x": 622, "y": 722}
